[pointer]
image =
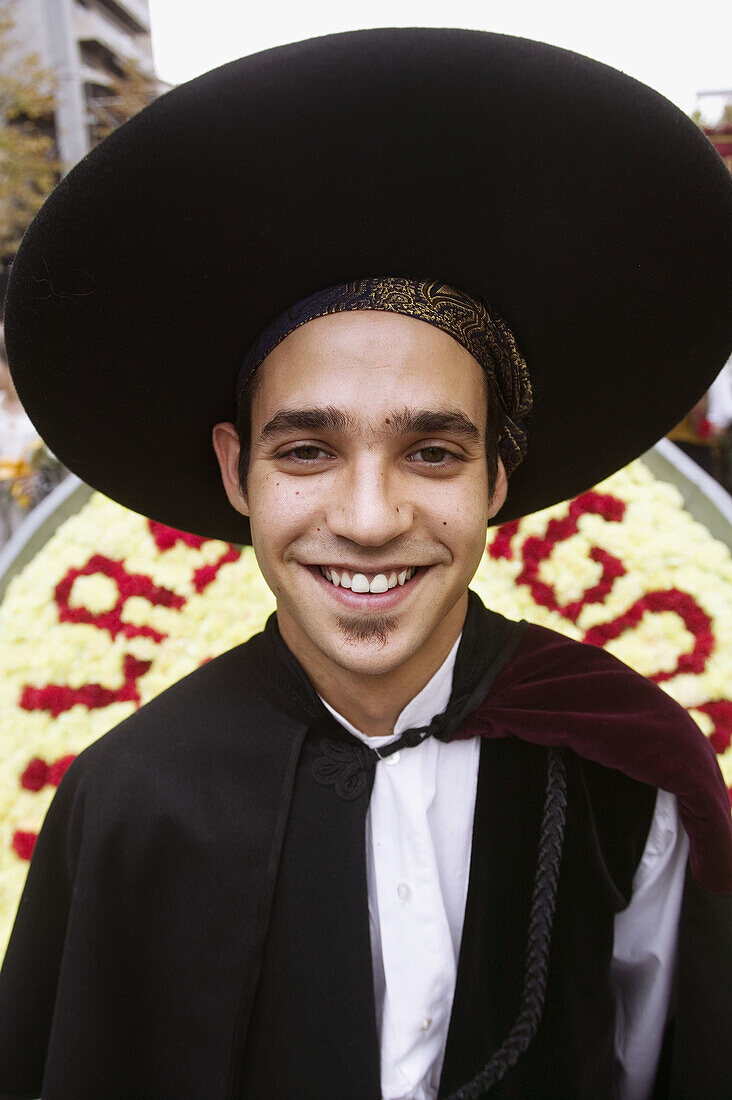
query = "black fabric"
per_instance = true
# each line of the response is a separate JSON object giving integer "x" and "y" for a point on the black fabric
{"x": 316, "y": 989}
{"x": 190, "y": 860}
{"x": 572, "y": 1054}
{"x": 700, "y": 1027}
{"x": 584, "y": 207}
{"x": 135, "y": 954}
{"x": 487, "y": 643}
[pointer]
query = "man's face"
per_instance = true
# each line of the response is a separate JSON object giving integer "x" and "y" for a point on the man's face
{"x": 367, "y": 465}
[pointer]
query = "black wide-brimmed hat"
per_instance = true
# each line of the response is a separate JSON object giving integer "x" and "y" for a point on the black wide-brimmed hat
{"x": 582, "y": 205}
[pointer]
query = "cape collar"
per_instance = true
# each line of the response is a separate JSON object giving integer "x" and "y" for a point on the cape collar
{"x": 488, "y": 641}
{"x": 520, "y": 680}
{"x": 561, "y": 694}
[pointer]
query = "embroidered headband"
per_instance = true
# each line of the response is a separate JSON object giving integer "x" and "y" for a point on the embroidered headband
{"x": 479, "y": 330}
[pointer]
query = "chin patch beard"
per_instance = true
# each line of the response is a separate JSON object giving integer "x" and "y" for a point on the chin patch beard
{"x": 366, "y": 629}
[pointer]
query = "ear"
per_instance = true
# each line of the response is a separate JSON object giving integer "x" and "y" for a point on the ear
{"x": 226, "y": 446}
{"x": 499, "y": 495}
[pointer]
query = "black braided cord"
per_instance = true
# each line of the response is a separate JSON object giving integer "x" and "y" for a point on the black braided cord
{"x": 541, "y": 920}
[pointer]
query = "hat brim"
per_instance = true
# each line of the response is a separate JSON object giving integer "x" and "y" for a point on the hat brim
{"x": 586, "y": 208}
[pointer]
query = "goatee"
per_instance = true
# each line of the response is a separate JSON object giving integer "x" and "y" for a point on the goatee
{"x": 366, "y": 628}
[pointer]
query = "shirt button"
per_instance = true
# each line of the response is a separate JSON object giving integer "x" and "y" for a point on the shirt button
{"x": 393, "y": 759}
{"x": 403, "y": 891}
{"x": 426, "y": 1024}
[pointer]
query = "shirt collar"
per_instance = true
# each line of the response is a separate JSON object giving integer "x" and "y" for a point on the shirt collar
{"x": 419, "y": 711}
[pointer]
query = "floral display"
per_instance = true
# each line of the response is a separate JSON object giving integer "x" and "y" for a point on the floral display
{"x": 115, "y": 607}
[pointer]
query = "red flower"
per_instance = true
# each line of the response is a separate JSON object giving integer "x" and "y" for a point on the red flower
{"x": 167, "y": 537}
{"x": 536, "y": 550}
{"x": 35, "y": 776}
{"x": 203, "y": 576}
{"x": 501, "y": 545}
{"x": 24, "y": 843}
{"x": 128, "y": 584}
{"x": 57, "y": 770}
{"x": 696, "y": 621}
{"x": 720, "y": 712}
{"x": 57, "y": 698}
{"x": 38, "y": 773}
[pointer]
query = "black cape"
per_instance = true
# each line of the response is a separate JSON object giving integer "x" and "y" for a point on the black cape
{"x": 195, "y": 918}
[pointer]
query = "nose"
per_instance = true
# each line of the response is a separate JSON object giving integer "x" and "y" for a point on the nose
{"x": 370, "y": 507}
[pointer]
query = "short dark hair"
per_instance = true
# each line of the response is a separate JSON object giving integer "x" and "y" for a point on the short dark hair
{"x": 493, "y": 430}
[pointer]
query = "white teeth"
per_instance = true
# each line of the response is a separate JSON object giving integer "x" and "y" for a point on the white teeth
{"x": 379, "y": 583}
{"x": 359, "y": 582}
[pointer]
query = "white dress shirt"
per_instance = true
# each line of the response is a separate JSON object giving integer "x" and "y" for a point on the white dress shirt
{"x": 418, "y": 845}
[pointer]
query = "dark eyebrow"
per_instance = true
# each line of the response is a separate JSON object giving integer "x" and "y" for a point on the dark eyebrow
{"x": 404, "y": 422}
{"x": 329, "y": 419}
{"x": 433, "y": 422}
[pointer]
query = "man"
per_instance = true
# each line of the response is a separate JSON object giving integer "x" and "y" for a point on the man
{"x": 396, "y": 845}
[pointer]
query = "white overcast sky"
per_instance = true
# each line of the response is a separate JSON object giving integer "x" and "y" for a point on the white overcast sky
{"x": 679, "y": 47}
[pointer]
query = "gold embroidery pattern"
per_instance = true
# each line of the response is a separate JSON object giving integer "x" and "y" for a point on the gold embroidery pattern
{"x": 480, "y": 330}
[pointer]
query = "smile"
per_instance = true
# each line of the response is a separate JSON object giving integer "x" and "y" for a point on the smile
{"x": 367, "y": 582}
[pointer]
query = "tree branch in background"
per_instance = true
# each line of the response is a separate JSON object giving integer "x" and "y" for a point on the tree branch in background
{"x": 127, "y": 93}
{"x": 29, "y": 168}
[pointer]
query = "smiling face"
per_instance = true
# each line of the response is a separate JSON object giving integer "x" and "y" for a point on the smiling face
{"x": 367, "y": 492}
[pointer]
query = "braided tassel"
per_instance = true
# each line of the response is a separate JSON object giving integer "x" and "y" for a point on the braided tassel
{"x": 541, "y": 920}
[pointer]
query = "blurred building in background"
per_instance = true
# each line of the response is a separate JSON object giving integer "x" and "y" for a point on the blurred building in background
{"x": 98, "y": 52}
{"x": 71, "y": 72}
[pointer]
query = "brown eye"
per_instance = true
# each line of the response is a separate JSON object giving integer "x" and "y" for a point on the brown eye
{"x": 306, "y": 453}
{"x": 433, "y": 454}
